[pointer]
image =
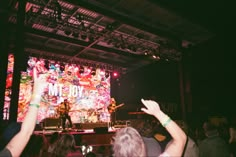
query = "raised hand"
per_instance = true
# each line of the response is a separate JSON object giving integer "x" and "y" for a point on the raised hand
{"x": 152, "y": 107}
{"x": 39, "y": 83}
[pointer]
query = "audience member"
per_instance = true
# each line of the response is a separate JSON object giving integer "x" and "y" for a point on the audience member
{"x": 191, "y": 148}
{"x": 65, "y": 147}
{"x": 17, "y": 144}
{"x": 232, "y": 139}
{"x": 162, "y": 136}
{"x": 9, "y": 132}
{"x": 90, "y": 154}
{"x": 213, "y": 145}
{"x": 52, "y": 141}
{"x": 36, "y": 146}
{"x": 128, "y": 142}
{"x": 153, "y": 148}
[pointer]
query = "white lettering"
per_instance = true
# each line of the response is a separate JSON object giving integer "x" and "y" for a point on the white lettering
{"x": 60, "y": 89}
{"x": 80, "y": 88}
{"x": 52, "y": 89}
{"x": 57, "y": 90}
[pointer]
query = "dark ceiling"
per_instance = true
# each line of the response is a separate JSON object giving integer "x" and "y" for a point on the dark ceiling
{"x": 114, "y": 34}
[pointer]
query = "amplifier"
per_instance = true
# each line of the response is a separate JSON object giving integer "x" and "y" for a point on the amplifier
{"x": 51, "y": 123}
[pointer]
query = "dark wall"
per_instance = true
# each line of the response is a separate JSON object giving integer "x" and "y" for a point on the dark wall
{"x": 212, "y": 77}
{"x": 158, "y": 81}
{"x": 210, "y": 67}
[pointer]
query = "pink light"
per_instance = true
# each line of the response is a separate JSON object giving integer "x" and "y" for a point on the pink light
{"x": 115, "y": 74}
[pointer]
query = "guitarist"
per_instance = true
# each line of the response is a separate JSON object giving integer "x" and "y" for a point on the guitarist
{"x": 112, "y": 110}
{"x": 64, "y": 109}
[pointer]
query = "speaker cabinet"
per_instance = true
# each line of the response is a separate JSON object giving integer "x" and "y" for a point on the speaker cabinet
{"x": 101, "y": 129}
{"x": 51, "y": 123}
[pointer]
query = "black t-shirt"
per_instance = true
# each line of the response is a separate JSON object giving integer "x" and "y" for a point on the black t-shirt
{"x": 5, "y": 153}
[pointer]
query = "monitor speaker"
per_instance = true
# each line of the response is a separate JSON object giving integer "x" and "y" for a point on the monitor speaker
{"x": 101, "y": 129}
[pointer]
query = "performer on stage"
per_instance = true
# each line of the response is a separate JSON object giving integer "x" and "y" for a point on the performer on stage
{"x": 112, "y": 110}
{"x": 64, "y": 109}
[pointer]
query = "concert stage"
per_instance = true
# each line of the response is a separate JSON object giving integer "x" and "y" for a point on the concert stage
{"x": 54, "y": 124}
{"x": 99, "y": 138}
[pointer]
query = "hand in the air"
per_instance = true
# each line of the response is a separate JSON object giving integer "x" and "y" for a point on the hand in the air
{"x": 152, "y": 107}
{"x": 39, "y": 82}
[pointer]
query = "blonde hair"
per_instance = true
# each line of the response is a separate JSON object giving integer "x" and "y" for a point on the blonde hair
{"x": 127, "y": 142}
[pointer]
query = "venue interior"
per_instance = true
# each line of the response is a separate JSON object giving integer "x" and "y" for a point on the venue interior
{"x": 178, "y": 53}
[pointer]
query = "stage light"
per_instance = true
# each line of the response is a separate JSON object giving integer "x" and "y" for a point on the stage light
{"x": 93, "y": 71}
{"x": 81, "y": 70}
{"x": 115, "y": 74}
{"x": 57, "y": 10}
{"x": 110, "y": 27}
{"x": 80, "y": 17}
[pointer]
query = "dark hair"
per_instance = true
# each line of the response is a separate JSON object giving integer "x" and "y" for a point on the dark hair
{"x": 54, "y": 137}
{"x": 209, "y": 127}
{"x": 91, "y": 154}
{"x": 64, "y": 145}
{"x": 146, "y": 130}
{"x": 34, "y": 145}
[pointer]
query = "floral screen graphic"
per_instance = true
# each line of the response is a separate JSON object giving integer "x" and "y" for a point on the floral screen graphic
{"x": 88, "y": 93}
{"x": 8, "y": 86}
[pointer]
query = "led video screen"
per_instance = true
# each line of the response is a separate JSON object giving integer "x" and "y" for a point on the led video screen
{"x": 8, "y": 86}
{"x": 87, "y": 92}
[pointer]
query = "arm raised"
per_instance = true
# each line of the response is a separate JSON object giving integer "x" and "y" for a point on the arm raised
{"x": 176, "y": 147}
{"x": 19, "y": 141}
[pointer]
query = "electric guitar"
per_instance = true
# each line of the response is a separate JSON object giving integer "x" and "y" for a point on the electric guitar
{"x": 111, "y": 108}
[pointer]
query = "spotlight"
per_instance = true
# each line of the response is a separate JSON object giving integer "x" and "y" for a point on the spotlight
{"x": 57, "y": 10}
{"x": 93, "y": 71}
{"x": 81, "y": 70}
{"x": 110, "y": 27}
{"x": 80, "y": 17}
{"x": 115, "y": 74}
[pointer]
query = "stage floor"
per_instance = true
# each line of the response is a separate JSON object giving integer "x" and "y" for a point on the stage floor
{"x": 102, "y": 136}
{"x": 99, "y": 141}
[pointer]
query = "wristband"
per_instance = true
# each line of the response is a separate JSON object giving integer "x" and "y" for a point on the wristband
{"x": 167, "y": 122}
{"x": 34, "y": 105}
